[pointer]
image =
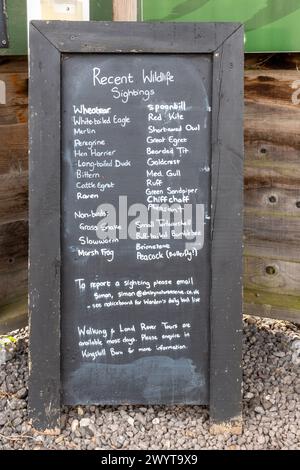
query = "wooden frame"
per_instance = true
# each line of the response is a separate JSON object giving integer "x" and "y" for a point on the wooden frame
{"x": 50, "y": 39}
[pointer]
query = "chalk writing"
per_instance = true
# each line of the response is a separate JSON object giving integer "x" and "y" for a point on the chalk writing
{"x": 136, "y": 199}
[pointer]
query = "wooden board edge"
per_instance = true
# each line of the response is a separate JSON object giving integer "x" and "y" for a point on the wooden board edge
{"x": 232, "y": 427}
{"x": 227, "y": 231}
{"x": 44, "y": 234}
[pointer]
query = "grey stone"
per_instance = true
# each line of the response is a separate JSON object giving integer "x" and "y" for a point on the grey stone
{"x": 3, "y": 418}
{"x": 74, "y": 425}
{"x": 259, "y": 410}
{"x": 271, "y": 406}
{"x": 17, "y": 404}
{"x": 297, "y": 388}
{"x": 279, "y": 353}
{"x": 267, "y": 404}
{"x": 130, "y": 421}
{"x": 84, "y": 422}
{"x": 296, "y": 345}
{"x": 22, "y": 393}
{"x": 3, "y": 355}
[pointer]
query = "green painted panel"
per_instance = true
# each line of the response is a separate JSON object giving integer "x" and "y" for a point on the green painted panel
{"x": 17, "y": 22}
{"x": 271, "y": 25}
{"x": 16, "y": 27}
{"x": 101, "y": 10}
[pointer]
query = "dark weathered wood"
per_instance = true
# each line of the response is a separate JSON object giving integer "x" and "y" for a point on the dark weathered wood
{"x": 13, "y": 193}
{"x": 14, "y": 315}
{"x": 13, "y": 247}
{"x": 271, "y": 158}
{"x": 268, "y": 130}
{"x": 13, "y": 148}
{"x": 13, "y": 285}
{"x": 14, "y": 111}
{"x": 44, "y": 231}
{"x": 100, "y": 36}
{"x": 273, "y": 200}
{"x": 16, "y": 87}
{"x": 268, "y": 84}
{"x": 261, "y": 151}
{"x": 227, "y": 229}
{"x": 272, "y": 177}
{"x": 272, "y": 61}
{"x": 13, "y": 275}
{"x": 272, "y": 275}
{"x": 271, "y": 116}
{"x": 264, "y": 304}
{"x": 13, "y": 115}
{"x": 275, "y": 250}
{"x": 13, "y": 197}
{"x": 13, "y": 64}
{"x": 268, "y": 304}
{"x": 272, "y": 228}
{"x": 14, "y": 77}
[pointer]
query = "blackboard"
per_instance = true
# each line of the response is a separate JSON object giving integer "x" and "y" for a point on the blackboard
{"x": 135, "y": 216}
{"x": 145, "y": 298}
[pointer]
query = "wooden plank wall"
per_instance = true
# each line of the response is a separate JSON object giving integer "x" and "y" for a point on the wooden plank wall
{"x": 13, "y": 191}
{"x": 272, "y": 188}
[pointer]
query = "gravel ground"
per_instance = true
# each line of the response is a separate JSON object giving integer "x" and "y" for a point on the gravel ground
{"x": 271, "y": 405}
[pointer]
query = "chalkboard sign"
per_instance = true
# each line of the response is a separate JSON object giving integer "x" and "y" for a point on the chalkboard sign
{"x": 135, "y": 216}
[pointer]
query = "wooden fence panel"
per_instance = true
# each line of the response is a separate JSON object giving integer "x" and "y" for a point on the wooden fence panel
{"x": 13, "y": 191}
{"x": 272, "y": 187}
